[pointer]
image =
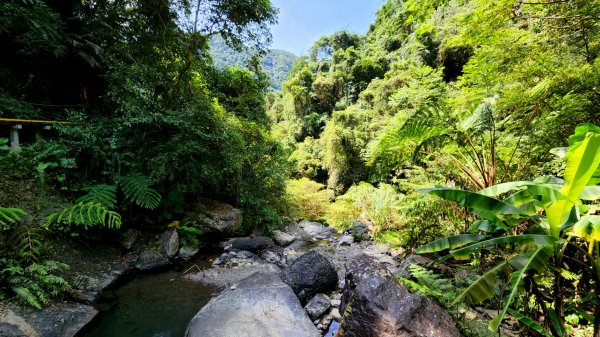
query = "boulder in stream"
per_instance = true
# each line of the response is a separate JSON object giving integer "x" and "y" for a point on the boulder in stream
{"x": 379, "y": 306}
{"x": 151, "y": 259}
{"x": 250, "y": 244}
{"x": 282, "y": 238}
{"x": 215, "y": 217}
{"x": 260, "y": 305}
{"x": 309, "y": 274}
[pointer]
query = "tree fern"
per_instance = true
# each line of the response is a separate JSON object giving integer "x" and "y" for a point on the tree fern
{"x": 87, "y": 215}
{"x": 9, "y": 216}
{"x": 100, "y": 194}
{"x": 137, "y": 190}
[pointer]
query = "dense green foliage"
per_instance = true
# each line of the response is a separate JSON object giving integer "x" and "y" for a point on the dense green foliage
{"x": 155, "y": 108}
{"x": 275, "y": 63}
{"x": 481, "y": 90}
{"x": 541, "y": 223}
{"x": 150, "y": 122}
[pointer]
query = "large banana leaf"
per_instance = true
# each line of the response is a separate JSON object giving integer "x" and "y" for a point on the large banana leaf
{"x": 484, "y": 287}
{"x": 536, "y": 239}
{"x": 496, "y": 190}
{"x": 488, "y": 208}
{"x": 530, "y": 323}
{"x": 450, "y": 242}
{"x": 582, "y": 161}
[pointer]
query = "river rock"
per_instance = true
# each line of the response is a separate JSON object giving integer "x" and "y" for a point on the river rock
{"x": 169, "y": 243}
{"x": 309, "y": 274}
{"x": 151, "y": 259}
{"x": 250, "y": 244}
{"x": 360, "y": 231}
{"x": 260, "y": 305}
{"x": 187, "y": 252}
{"x": 61, "y": 320}
{"x": 216, "y": 217}
{"x": 283, "y": 239}
{"x": 346, "y": 240}
{"x": 129, "y": 239}
{"x": 317, "y": 306}
{"x": 317, "y": 230}
{"x": 378, "y": 305}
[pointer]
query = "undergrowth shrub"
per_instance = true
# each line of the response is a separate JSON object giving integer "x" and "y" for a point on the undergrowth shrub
{"x": 378, "y": 205}
{"x": 306, "y": 199}
{"x": 424, "y": 219}
{"x": 25, "y": 275}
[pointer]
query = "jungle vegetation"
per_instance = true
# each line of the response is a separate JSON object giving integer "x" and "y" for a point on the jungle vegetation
{"x": 462, "y": 129}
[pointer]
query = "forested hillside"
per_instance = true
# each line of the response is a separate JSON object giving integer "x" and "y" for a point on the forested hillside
{"x": 276, "y": 63}
{"x": 465, "y": 94}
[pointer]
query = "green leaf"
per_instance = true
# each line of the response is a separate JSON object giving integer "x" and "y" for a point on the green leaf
{"x": 10, "y": 215}
{"x": 537, "y": 239}
{"x": 87, "y": 215}
{"x": 590, "y": 193}
{"x": 588, "y": 228}
{"x": 484, "y": 287}
{"x": 530, "y": 323}
{"x": 489, "y": 208}
{"x": 533, "y": 260}
{"x": 450, "y": 242}
{"x": 582, "y": 161}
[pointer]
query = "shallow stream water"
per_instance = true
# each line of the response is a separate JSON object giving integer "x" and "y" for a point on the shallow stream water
{"x": 150, "y": 305}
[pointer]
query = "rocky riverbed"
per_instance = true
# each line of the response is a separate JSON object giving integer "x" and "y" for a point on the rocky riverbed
{"x": 300, "y": 281}
{"x": 318, "y": 266}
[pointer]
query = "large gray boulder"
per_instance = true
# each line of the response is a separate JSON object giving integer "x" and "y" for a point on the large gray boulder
{"x": 215, "y": 217}
{"x": 379, "y": 306}
{"x": 310, "y": 274}
{"x": 259, "y": 306}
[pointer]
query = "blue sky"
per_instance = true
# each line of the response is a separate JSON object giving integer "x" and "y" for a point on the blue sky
{"x": 302, "y": 22}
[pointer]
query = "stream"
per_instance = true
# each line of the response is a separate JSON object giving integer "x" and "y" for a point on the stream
{"x": 151, "y": 305}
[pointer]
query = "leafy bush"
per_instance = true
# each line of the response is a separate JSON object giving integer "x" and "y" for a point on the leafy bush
{"x": 306, "y": 199}
{"x": 24, "y": 274}
{"x": 378, "y": 205}
{"x": 32, "y": 284}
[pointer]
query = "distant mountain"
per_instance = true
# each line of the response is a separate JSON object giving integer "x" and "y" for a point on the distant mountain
{"x": 276, "y": 64}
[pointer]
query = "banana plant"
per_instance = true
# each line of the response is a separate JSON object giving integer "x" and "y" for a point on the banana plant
{"x": 538, "y": 219}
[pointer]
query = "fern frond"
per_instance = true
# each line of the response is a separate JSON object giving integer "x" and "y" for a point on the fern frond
{"x": 9, "y": 216}
{"x": 28, "y": 242}
{"x": 26, "y": 296}
{"x": 87, "y": 215}
{"x": 137, "y": 190}
{"x": 100, "y": 194}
